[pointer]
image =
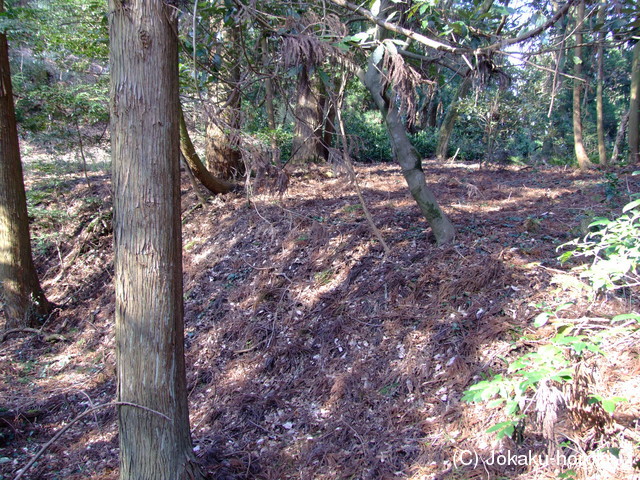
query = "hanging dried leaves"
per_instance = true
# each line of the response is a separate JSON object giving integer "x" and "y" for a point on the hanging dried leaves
{"x": 404, "y": 79}
{"x": 308, "y": 40}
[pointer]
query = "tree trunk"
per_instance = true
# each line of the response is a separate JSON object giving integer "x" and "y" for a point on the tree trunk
{"x": 581, "y": 154}
{"x": 307, "y": 139}
{"x": 222, "y": 152}
{"x": 268, "y": 99}
{"x": 602, "y": 148}
{"x": 634, "y": 107}
{"x": 24, "y": 300}
{"x": 407, "y": 158}
{"x": 213, "y": 184}
{"x": 622, "y": 128}
{"x": 432, "y": 112}
{"x": 446, "y": 129}
{"x": 147, "y": 243}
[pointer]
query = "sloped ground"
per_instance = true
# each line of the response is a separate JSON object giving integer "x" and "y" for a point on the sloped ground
{"x": 312, "y": 356}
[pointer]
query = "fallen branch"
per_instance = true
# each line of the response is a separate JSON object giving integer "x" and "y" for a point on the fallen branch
{"x": 44, "y": 448}
{"x": 47, "y": 338}
{"x": 352, "y": 174}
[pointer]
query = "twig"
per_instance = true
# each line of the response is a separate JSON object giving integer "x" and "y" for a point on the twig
{"x": 47, "y": 338}
{"x": 352, "y": 173}
{"x": 84, "y": 160}
{"x": 24, "y": 470}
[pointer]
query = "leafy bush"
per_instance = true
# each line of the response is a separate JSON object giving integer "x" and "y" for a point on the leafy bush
{"x": 284, "y": 140}
{"x": 425, "y": 142}
{"x": 369, "y": 135}
{"x": 552, "y": 363}
{"x": 614, "y": 246}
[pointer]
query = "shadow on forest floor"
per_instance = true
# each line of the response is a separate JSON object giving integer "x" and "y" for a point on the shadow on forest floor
{"x": 310, "y": 355}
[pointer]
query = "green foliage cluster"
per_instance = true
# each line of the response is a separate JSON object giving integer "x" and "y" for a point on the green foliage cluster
{"x": 369, "y": 135}
{"x": 367, "y": 130}
{"x": 59, "y": 62}
{"x": 550, "y": 364}
{"x": 283, "y": 139}
{"x": 614, "y": 247}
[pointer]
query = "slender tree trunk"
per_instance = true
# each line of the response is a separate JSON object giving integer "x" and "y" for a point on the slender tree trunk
{"x": 634, "y": 107}
{"x": 408, "y": 159}
{"x": 602, "y": 148}
{"x": 622, "y": 128}
{"x": 432, "y": 111}
{"x": 147, "y": 242}
{"x": 307, "y": 139}
{"x": 222, "y": 152}
{"x": 268, "y": 99}
{"x": 446, "y": 129}
{"x": 24, "y": 300}
{"x": 329, "y": 132}
{"x": 213, "y": 184}
{"x": 578, "y": 142}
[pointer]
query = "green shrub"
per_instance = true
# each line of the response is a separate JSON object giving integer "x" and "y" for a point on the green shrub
{"x": 368, "y": 136}
{"x": 613, "y": 246}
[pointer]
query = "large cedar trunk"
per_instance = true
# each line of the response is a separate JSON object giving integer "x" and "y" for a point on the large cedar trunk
{"x": 222, "y": 152}
{"x": 446, "y": 129}
{"x": 581, "y": 153}
{"x": 24, "y": 300}
{"x": 307, "y": 139}
{"x": 408, "y": 159}
{"x": 634, "y": 108}
{"x": 147, "y": 243}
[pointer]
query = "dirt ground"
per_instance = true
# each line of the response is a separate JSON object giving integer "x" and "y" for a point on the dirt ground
{"x": 309, "y": 354}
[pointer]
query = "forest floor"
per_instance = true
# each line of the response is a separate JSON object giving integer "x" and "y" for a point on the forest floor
{"x": 312, "y": 356}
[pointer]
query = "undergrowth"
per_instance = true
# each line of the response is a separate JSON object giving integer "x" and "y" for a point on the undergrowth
{"x": 612, "y": 248}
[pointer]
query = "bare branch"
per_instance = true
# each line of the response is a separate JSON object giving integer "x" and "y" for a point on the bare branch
{"x": 44, "y": 448}
{"x": 429, "y": 42}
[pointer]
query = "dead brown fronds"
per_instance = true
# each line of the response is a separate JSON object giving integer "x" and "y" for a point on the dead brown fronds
{"x": 309, "y": 37}
{"x": 486, "y": 70}
{"x": 587, "y": 416}
{"x": 489, "y": 274}
{"x": 263, "y": 173}
{"x": 404, "y": 79}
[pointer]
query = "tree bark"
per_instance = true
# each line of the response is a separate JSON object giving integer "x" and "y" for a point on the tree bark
{"x": 147, "y": 242}
{"x": 634, "y": 108}
{"x": 307, "y": 138}
{"x": 24, "y": 300}
{"x": 213, "y": 184}
{"x": 446, "y": 129}
{"x": 602, "y": 148}
{"x": 622, "y": 128}
{"x": 578, "y": 142}
{"x": 268, "y": 99}
{"x": 222, "y": 152}
{"x": 408, "y": 159}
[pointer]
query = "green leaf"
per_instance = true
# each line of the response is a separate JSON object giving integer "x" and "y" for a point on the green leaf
{"x": 599, "y": 221}
{"x": 495, "y": 403}
{"x": 626, "y": 316}
{"x": 357, "y": 38}
{"x": 541, "y": 319}
{"x": 377, "y": 54}
{"x": 630, "y": 206}
{"x": 511, "y": 407}
{"x": 503, "y": 428}
{"x": 564, "y": 306}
